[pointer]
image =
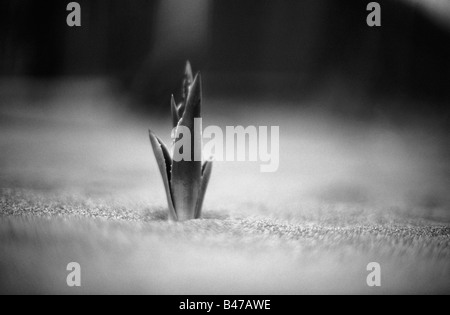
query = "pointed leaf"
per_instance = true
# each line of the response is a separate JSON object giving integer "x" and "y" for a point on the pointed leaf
{"x": 188, "y": 79}
{"x": 193, "y": 103}
{"x": 206, "y": 174}
{"x": 174, "y": 110}
{"x": 164, "y": 162}
{"x": 188, "y": 72}
{"x": 186, "y": 175}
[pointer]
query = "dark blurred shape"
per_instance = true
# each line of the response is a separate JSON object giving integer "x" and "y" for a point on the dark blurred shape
{"x": 312, "y": 43}
{"x": 114, "y": 38}
{"x": 285, "y": 49}
{"x": 31, "y": 41}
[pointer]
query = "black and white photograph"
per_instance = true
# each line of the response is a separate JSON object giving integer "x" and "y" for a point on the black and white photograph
{"x": 223, "y": 153}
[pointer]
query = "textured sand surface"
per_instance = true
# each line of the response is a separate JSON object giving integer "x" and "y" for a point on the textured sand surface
{"x": 130, "y": 248}
{"x": 79, "y": 183}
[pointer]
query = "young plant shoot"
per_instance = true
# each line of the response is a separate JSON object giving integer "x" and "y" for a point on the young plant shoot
{"x": 185, "y": 177}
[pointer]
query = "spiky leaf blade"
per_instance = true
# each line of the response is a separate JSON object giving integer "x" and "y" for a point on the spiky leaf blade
{"x": 186, "y": 175}
{"x": 187, "y": 83}
{"x": 164, "y": 162}
{"x": 206, "y": 174}
{"x": 174, "y": 110}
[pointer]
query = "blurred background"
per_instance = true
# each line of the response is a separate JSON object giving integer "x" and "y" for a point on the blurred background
{"x": 285, "y": 50}
{"x": 363, "y": 110}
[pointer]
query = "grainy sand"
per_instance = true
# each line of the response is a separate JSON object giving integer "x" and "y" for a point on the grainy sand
{"x": 79, "y": 183}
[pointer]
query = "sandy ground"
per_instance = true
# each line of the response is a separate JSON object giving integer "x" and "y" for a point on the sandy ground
{"x": 79, "y": 183}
